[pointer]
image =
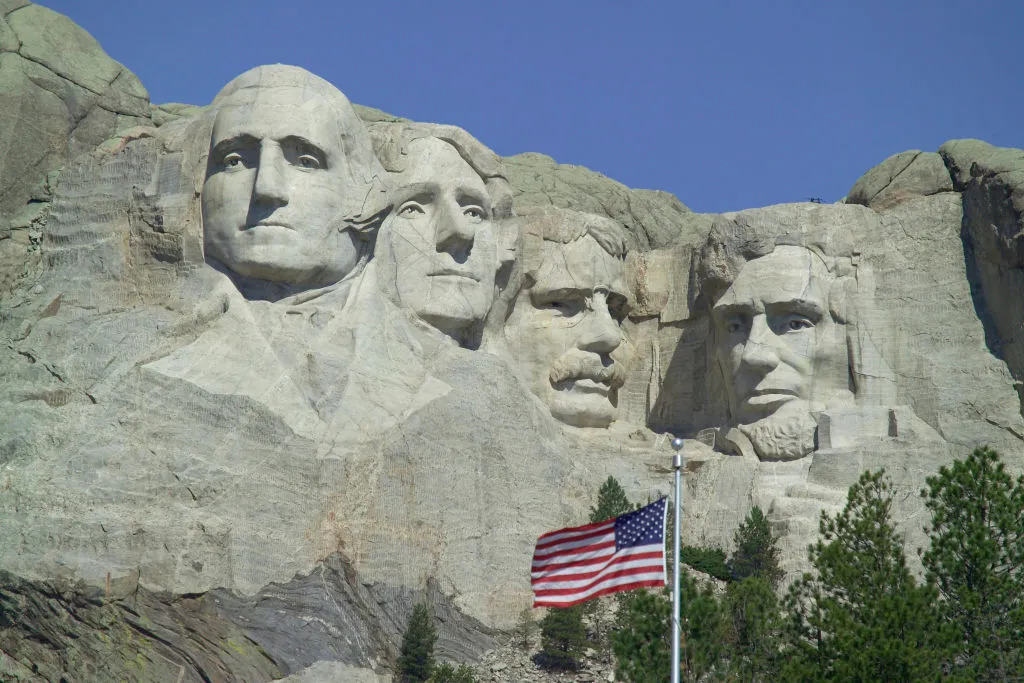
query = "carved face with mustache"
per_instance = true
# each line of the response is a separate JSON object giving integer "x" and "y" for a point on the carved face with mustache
{"x": 566, "y": 332}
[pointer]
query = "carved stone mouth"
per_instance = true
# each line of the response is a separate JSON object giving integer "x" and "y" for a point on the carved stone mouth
{"x": 589, "y": 385}
{"x": 270, "y": 224}
{"x": 448, "y": 272}
{"x": 772, "y": 392}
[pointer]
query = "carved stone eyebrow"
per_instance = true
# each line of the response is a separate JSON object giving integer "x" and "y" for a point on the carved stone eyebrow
{"x": 417, "y": 191}
{"x": 807, "y": 307}
{"x": 304, "y": 144}
{"x": 732, "y": 308}
{"x": 466, "y": 196}
{"x": 541, "y": 293}
{"x": 235, "y": 142}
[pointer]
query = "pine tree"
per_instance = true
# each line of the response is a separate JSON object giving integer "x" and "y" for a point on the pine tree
{"x": 446, "y": 673}
{"x": 757, "y": 551}
{"x": 611, "y": 501}
{"x": 526, "y": 629}
{"x": 976, "y": 559}
{"x": 755, "y": 621}
{"x": 862, "y": 616}
{"x": 562, "y": 638}
{"x": 643, "y": 642}
{"x": 416, "y": 660}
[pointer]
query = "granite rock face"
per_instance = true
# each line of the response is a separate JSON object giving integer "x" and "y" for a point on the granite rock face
{"x": 60, "y": 97}
{"x": 278, "y": 368}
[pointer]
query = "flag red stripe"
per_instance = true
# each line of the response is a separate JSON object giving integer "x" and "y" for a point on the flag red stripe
{"x": 552, "y": 567}
{"x": 577, "y": 564}
{"x": 585, "y": 552}
{"x": 633, "y": 571}
{"x": 657, "y": 555}
{"x": 567, "y": 544}
{"x": 549, "y": 536}
{"x": 651, "y": 583}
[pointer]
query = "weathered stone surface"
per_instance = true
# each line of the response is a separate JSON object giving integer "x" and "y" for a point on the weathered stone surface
{"x": 654, "y": 218}
{"x": 908, "y": 174}
{"x": 992, "y": 182}
{"x": 252, "y": 463}
{"x": 60, "y": 96}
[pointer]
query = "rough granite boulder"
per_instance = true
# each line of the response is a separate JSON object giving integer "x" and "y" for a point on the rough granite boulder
{"x": 908, "y": 174}
{"x": 60, "y": 96}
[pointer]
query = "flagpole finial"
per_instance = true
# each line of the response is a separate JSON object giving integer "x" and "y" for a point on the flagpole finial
{"x": 677, "y": 444}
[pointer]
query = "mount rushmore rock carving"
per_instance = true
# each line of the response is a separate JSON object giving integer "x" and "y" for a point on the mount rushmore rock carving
{"x": 278, "y": 368}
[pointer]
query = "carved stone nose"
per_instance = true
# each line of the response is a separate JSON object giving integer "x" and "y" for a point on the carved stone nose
{"x": 601, "y": 334}
{"x": 271, "y": 185}
{"x": 453, "y": 233}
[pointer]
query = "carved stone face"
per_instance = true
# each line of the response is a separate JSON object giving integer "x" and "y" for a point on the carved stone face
{"x": 565, "y": 332}
{"x": 439, "y": 239}
{"x": 777, "y": 343}
{"x": 275, "y": 189}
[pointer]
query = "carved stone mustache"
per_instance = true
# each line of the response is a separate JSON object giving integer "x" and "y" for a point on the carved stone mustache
{"x": 577, "y": 364}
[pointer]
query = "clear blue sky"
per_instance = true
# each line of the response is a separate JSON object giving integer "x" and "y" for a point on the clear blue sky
{"x": 726, "y": 104}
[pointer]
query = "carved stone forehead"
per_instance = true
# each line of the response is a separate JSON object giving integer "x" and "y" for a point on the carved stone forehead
{"x": 302, "y": 84}
{"x": 737, "y": 239}
{"x": 580, "y": 265}
{"x": 433, "y": 161}
{"x": 788, "y": 273}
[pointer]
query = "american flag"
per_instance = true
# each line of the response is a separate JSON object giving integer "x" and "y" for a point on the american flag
{"x": 579, "y": 563}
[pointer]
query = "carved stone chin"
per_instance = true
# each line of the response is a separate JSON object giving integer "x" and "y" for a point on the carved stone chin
{"x": 786, "y": 435}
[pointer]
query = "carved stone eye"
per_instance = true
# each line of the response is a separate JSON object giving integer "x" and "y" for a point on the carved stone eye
{"x": 309, "y": 161}
{"x": 798, "y": 323}
{"x": 410, "y": 210}
{"x": 233, "y": 160}
{"x": 733, "y": 325}
{"x": 474, "y": 213}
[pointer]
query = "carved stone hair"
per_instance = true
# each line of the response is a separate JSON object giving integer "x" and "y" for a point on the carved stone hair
{"x": 391, "y": 142}
{"x": 737, "y": 238}
{"x": 553, "y": 224}
{"x": 369, "y": 199}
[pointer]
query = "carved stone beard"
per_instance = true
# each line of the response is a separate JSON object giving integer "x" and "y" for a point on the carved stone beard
{"x": 784, "y": 435}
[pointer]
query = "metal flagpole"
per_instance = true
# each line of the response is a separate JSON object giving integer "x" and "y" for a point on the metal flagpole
{"x": 677, "y": 465}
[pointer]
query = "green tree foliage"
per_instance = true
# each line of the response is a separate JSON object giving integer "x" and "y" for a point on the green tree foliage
{"x": 416, "y": 659}
{"x": 755, "y": 623}
{"x": 708, "y": 560}
{"x": 526, "y": 629}
{"x": 643, "y": 642}
{"x": 976, "y": 559}
{"x": 862, "y": 616}
{"x": 757, "y": 551}
{"x": 446, "y": 673}
{"x": 611, "y": 501}
{"x": 563, "y": 638}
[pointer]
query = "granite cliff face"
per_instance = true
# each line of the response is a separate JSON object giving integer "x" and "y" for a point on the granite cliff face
{"x": 272, "y": 378}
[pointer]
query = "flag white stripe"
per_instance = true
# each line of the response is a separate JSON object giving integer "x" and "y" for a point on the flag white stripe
{"x": 568, "y": 569}
{"x": 539, "y": 572}
{"x": 569, "y": 545}
{"x": 596, "y": 554}
{"x": 654, "y": 564}
{"x": 558, "y": 536}
{"x": 617, "y": 581}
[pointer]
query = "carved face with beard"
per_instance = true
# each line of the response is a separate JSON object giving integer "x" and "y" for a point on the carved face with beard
{"x": 565, "y": 331}
{"x": 782, "y": 350}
